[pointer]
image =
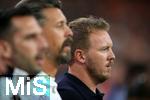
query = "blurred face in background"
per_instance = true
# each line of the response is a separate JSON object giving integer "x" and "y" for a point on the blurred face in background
{"x": 28, "y": 44}
{"x": 99, "y": 57}
{"x": 58, "y": 34}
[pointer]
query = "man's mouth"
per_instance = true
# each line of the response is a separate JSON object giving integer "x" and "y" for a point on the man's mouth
{"x": 67, "y": 42}
{"x": 40, "y": 60}
{"x": 66, "y": 49}
{"x": 110, "y": 64}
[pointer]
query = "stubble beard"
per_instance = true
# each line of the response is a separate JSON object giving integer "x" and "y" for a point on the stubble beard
{"x": 96, "y": 76}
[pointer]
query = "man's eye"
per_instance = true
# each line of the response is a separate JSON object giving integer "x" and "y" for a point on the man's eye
{"x": 105, "y": 49}
{"x": 61, "y": 24}
{"x": 29, "y": 37}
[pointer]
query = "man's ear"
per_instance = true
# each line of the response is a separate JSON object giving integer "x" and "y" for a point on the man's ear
{"x": 5, "y": 49}
{"x": 79, "y": 55}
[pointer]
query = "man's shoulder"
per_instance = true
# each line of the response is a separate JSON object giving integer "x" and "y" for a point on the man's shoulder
{"x": 70, "y": 82}
{"x": 68, "y": 90}
{"x": 69, "y": 93}
{"x": 65, "y": 83}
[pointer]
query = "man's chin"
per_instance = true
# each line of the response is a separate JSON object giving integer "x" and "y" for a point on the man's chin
{"x": 65, "y": 55}
{"x": 40, "y": 62}
{"x": 102, "y": 79}
{"x": 64, "y": 58}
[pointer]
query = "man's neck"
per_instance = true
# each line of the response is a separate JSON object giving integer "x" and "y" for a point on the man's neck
{"x": 50, "y": 67}
{"x": 79, "y": 72}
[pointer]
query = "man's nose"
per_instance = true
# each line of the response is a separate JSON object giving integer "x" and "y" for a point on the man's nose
{"x": 42, "y": 42}
{"x": 68, "y": 32}
{"x": 111, "y": 56}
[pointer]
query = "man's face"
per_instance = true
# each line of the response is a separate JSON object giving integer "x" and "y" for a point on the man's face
{"x": 99, "y": 56}
{"x": 57, "y": 32}
{"x": 28, "y": 43}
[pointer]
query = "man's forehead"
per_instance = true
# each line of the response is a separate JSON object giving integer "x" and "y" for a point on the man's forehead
{"x": 54, "y": 14}
{"x": 26, "y": 26}
{"x": 101, "y": 36}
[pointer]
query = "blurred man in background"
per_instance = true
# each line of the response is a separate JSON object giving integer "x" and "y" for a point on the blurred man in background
{"x": 55, "y": 30}
{"x": 21, "y": 35}
{"x": 57, "y": 34}
{"x": 23, "y": 44}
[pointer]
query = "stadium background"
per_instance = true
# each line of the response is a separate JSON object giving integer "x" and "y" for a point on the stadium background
{"x": 130, "y": 27}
